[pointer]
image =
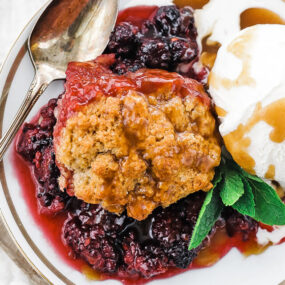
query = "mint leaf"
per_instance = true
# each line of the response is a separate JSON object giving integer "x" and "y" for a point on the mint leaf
{"x": 269, "y": 209}
{"x": 244, "y": 192}
{"x": 209, "y": 213}
{"x": 250, "y": 176}
{"x": 243, "y": 172}
{"x": 217, "y": 178}
{"x": 232, "y": 188}
{"x": 246, "y": 205}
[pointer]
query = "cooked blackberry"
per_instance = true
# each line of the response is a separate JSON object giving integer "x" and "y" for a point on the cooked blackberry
{"x": 35, "y": 144}
{"x": 36, "y": 137}
{"x": 187, "y": 26}
{"x": 122, "y": 66}
{"x": 155, "y": 53}
{"x": 112, "y": 243}
{"x": 149, "y": 29}
{"x": 164, "y": 41}
{"x": 182, "y": 50}
{"x": 91, "y": 232}
{"x": 168, "y": 20}
{"x": 123, "y": 39}
{"x": 238, "y": 223}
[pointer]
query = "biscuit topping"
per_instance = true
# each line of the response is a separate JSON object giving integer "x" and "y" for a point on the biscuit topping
{"x": 146, "y": 144}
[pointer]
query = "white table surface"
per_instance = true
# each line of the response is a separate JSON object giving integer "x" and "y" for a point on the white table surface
{"x": 14, "y": 15}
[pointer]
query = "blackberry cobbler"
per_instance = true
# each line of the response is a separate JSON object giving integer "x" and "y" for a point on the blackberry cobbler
{"x": 121, "y": 150}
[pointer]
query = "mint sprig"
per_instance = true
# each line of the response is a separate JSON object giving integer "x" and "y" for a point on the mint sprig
{"x": 269, "y": 209}
{"x": 246, "y": 193}
{"x": 231, "y": 188}
{"x": 209, "y": 213}
{"x": 246, "y": 204}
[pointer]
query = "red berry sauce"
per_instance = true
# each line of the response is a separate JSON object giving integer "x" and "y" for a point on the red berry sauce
{"x": 101, "y": 244}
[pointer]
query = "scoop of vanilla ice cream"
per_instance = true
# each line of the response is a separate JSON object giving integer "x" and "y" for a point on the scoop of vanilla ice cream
{"x": 247, "y": 84}
{"x": 220, "y": 19}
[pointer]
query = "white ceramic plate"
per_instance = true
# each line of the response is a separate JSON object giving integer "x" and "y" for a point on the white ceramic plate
{"x": 15, "y": 78}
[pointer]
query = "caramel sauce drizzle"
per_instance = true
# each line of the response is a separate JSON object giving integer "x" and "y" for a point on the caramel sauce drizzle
{"x": 212, "y": 254}
{"x": 209, "y": 54}
{"x": 250, "y": 17}
{"x": 195, "y": 4}
{"x": 274, "y": 114}
{"x": 270, "y": 174}
{"x": 221, "y": 112}
{"x": 91, "y": 274}
{"x": 239, "y": 48}
{"x": 237, "y": 142}
{"x": 254, "y": 16}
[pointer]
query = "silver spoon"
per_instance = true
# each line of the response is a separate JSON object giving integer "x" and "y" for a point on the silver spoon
{"x": 68, "y": 30}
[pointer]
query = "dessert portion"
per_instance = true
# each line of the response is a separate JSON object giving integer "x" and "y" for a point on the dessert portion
{"x": 120, "y": 156}
{"x": 135, "y": 141}
{"x": 113, "y": 244}
{"x": 255, "y": 134}
{"x": 118, "y": 245}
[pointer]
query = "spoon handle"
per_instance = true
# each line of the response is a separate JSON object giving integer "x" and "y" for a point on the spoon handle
{"x": 37, "y": 87}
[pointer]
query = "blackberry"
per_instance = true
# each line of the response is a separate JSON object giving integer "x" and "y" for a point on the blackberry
{"x": 155, "y": 53}
{"x": 168, "y": 20}
{"x": 35, "y": 144}
{"x": 166, "y": 40}
{"x": 123, "y": 39}
{"x": 238, "y": 223}
{"x": 187, "y": 26}
{"x": 181, "y": 256}
{"x": 35, "y": 137}
{"x": 183, "y": 51}
{"x": 91, "y": 239}
{"x": 148, "y": 260}
{"x": 122, "y": 66}
{"x": 31, "y": 140}
{"x": 149, "y": 29}
{"x": 147, "y": 248}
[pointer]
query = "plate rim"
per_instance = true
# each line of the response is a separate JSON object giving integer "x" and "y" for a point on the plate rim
{"x": 22, "y": 49}
{"x": 4, "y": 188}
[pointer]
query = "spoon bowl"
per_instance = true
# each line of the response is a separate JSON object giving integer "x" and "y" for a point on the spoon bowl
{"x": 68, "y": 30}
{"x": 71, "y": 30}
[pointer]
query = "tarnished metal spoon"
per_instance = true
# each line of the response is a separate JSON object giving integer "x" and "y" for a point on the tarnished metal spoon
{"x": 68, "y": 30}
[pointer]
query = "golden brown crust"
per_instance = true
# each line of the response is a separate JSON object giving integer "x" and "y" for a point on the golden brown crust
{"x": 139, "y": 152}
